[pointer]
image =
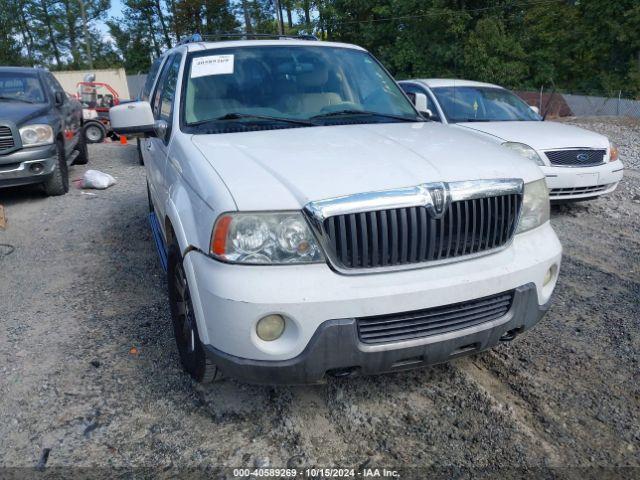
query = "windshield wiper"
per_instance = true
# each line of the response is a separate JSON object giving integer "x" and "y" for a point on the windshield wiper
{"x": 474, "y": 120}
{"x": 238, "y": 116}
{"x": 365, "y": 112}
{"x": 2, "y": 97}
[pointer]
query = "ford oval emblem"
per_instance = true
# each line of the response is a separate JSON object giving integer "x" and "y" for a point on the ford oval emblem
{"x": 582, "y": 157}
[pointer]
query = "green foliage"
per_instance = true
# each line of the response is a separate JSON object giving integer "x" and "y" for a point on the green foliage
{"x": 589, "y": 46}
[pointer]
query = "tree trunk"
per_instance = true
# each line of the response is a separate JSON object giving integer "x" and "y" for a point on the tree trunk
{"x": 152, "y": 32}
{"x": 287, "y": 7}
{"x": 176, "y": 27}
{"x": 52, "y": 38}
{"x": 247, "y": 17}
{"x": 163, "y": 24}
{"x": 26, "y": 33}
{"x": 70, "y": 18}
{"x": 306, "y": 6}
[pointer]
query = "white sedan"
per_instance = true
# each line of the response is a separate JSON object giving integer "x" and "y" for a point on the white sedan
{"x": 578, "y": 164}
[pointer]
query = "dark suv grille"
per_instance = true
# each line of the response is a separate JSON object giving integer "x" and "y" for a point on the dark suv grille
{"x": 576, "y": 158}
{"x": 6, "y": 138}
{"x": 433, "y": 321}
{"x": 409, "y": 235}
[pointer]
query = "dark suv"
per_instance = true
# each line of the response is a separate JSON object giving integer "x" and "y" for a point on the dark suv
{"x": 40, "y": 130}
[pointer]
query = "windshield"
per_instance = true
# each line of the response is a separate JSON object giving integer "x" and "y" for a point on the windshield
{"x": 482, "y": 104}
{"x": 313, "y": 85}
{"x": 21, "y": 87}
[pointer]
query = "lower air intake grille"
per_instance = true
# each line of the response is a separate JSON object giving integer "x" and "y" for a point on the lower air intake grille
{"x": 565, "y": 192}
{"x": 576, "y": 158}
{"x": 433, "y": 321}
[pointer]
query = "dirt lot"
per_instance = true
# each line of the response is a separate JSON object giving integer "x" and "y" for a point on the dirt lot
{"x": 81, "y": 286}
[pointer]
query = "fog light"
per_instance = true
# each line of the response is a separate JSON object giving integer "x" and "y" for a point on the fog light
{"x": 550, "y": 275}
{"x": 36, "y": 167}
{"x": 270, "y": 328}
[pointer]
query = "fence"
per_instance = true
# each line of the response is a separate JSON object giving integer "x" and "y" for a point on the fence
{"x": 572, "y": 105}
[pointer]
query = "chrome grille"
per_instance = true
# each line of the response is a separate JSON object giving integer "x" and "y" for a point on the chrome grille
{"x": 433, "y": 321}
{"x": 6, "y": 138}
{"x": 411, "y": 235}
{"x": 576, "y": 158}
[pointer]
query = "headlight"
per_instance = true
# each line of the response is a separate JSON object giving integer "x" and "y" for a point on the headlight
{"x": 535, "y": 205}
{"x": 264, "y": 238}
{"x": 525, "y": 151}
{"x": 34, "y": 135}
{"x": 614, "y": 154}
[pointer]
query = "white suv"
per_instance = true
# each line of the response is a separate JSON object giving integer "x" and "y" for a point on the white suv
{"x": 313, "y": 223}
{"x": 578, "y": 164}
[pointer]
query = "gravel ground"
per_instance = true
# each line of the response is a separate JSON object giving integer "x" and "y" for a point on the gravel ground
{"x": 83, "y": 287}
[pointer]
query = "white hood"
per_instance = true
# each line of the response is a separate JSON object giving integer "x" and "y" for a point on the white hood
{"x": 540, "y": 135}
{"x": 285, "y": 169}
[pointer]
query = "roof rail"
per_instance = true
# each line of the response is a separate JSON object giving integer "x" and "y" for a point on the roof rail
{"x": 196, "y": 37}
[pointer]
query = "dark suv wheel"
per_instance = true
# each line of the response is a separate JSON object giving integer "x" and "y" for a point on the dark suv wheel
{"x": 191, "y": 350}
{"x": 58, "y": 182}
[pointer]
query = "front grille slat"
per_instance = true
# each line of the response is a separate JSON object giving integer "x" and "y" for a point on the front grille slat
{"x": 562, "y": 192}
{"x": 437, "y": 319}
{"x": 443, "y": 310}
{"x": 576, "y": 157}
{"x": 410, "y": 235}
{"x": 433, "y": 321}
{"x": 7, "y": 140}
{"x": 447, "y": 325}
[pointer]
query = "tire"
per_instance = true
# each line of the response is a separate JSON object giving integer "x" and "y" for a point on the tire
{"x": 192, "y": 355}
{"x": 58, "y": 183}
{"x": 83, "y": 152}
{"x": 140, "y": 159}
{"x": 94, "y": 132}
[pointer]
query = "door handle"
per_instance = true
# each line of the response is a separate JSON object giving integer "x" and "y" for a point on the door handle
{"x": 148, "y": 145}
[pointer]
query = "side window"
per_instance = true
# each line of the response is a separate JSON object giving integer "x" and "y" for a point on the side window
{"x": 53, "y": 85}
{"x": 164, "y": 95}
{"x": 151, "y": 76}
{"x": 412, "y": 88}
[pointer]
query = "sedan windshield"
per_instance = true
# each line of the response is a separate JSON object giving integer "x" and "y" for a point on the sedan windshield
{"x": 291, "y": 86}
{"x": 482, "y": 104}
{"x": 21, "y": 87}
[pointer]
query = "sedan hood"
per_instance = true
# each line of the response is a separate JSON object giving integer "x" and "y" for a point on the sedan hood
{"x": 19, "y": 112}
{"x": 540, "y": 135}
{"x": 285, "y": 169}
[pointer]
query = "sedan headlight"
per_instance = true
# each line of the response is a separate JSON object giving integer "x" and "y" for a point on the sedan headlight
{"x": 34, "y": 135}
{"x": 264, "y": 238}
{"x": 614, "y": 153}
{"x": 525, "y": 151}
{"x": 535, "y": 205}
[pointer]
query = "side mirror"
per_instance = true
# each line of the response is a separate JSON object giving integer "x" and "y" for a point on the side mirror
{"x": 59, "y": 98}
{"x": 420, "y": 102}
{"x": 535, "y": 109}
{"x": 134, "y": 119}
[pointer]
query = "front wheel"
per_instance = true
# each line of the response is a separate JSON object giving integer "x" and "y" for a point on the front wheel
{"x": 190, "y": 348}
{"x": 58, "y": 182}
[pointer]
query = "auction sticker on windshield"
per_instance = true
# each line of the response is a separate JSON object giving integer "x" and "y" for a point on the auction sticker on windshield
{"x": 212, "y": 65}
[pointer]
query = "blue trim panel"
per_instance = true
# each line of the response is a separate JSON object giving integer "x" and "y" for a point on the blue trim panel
{"x": 159, "y": 241}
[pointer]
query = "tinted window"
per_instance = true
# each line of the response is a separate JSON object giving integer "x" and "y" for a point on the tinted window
{"x": 482, "y": 104}
{"x": 151, "y": 76}
{"x": 21, "y": 87}
{"x": 292, "y": 82}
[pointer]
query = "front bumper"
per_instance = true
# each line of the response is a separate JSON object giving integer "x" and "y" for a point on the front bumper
{"x": 230, "y": 299}
{"x": 27, "y": 165}
{"x": 335, "y": 349}
{"x": 575, "y": 183}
